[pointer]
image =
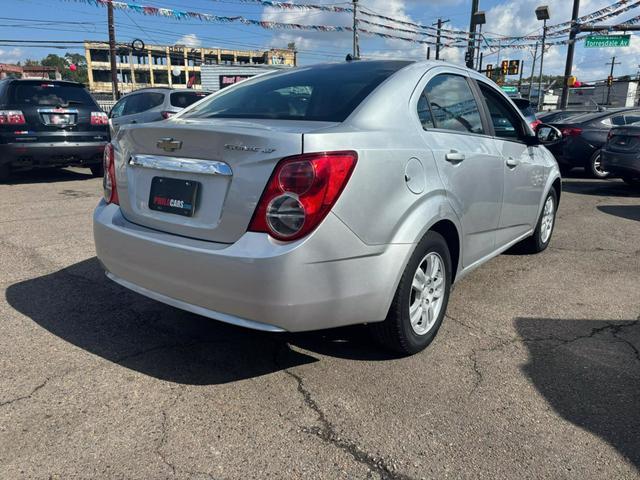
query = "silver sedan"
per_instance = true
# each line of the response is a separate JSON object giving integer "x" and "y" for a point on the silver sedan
{"x": 328, "y": 195}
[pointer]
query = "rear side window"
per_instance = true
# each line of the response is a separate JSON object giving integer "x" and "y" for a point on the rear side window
{"x": 321, "y": 93}
{"x": 142, "y": 102}
{"x": 452, "y": 104}
{"x": 184, "y": 99}
{"x": 49, "y": 94}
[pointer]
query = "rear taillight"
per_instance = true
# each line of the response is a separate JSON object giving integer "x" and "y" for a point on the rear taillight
{"x": 12, "y": 117}
{"x": 535, "y": 123}
{"x": 166, "y": 114}
{"x": 571, "y": 132}
{"x": 300, "y": 193}
{"x": 609, "y": 135}
{"x": 99, "y": 118}
{"x": 109, "y": 179}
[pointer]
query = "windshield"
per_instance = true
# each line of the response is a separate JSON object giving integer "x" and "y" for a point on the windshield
{"x": 50, "y": 94}
{"x": 327, "y": 92}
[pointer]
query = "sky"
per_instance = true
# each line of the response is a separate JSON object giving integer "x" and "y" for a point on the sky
{"x": 73, "y": 20}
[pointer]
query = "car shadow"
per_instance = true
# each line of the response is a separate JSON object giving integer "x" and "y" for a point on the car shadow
{"x": 80, "y": 305}
{"x": 602, "y": 188}
{"x": 630, "y": 212}
{"x": 48, "y": 175}
{"x": 589, "y": 372}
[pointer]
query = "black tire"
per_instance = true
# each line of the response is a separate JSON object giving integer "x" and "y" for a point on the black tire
{"x": 395, "y": 332}
{"x": 535, "y": 243}
{"x": 593, "y": 167}
{"x": 5, "y": 172}
{"x": 634, "y": 181}
{"x": 97, "y": 170}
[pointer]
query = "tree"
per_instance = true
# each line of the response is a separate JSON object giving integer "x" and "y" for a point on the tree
{"x": 63, "y": 65}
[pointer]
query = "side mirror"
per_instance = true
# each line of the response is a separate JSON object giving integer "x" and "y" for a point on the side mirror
{"x": 548, "y": 135}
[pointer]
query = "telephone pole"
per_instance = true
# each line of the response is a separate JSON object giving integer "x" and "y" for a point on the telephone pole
{"x": 356, "y": 42}
{"x": 613, "y": 63}
{"x": 112, "y": 53}
{"x": 472, "y": 34}
{"x": 533, "y": 71}
{"x": 439, "y": 24}
{"x": 564, "y": 100}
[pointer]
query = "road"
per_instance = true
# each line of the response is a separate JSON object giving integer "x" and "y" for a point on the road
{"x": 534, "y": 374}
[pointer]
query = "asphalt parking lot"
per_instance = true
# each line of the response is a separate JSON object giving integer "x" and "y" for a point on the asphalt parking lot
{"x": 534, "y": 374}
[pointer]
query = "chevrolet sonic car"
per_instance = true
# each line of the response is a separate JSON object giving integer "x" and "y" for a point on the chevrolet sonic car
{"x": 327, "y": 195}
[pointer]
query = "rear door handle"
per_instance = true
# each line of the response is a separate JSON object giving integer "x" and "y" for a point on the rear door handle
{"x": 454, "y": 156}
{"x": 512, "y": 162}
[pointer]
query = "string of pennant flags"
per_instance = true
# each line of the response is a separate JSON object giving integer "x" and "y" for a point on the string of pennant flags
{"x": 448, "y": 38}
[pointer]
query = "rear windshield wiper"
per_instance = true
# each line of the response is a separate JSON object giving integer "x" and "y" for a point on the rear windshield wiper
{"x": 70, "y": 102}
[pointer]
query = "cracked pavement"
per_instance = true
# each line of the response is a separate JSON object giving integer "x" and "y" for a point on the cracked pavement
{"x": 534, "y": 374}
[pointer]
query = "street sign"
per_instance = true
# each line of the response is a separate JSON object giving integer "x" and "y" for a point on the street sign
{"x": 604, "y": 41}
{"x": 509, "y": 89}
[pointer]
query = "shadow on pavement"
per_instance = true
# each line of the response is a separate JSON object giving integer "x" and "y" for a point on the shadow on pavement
{"x": 603, "y": 188}
{"x": 589, "y": 372}
{"x": 48, "y": 175}
{"x": 630, "y": 212}
{"x": 80, "y": 305}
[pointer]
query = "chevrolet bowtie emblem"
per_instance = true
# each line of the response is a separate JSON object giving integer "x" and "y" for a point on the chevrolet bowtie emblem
{"x": 169, "y": 144}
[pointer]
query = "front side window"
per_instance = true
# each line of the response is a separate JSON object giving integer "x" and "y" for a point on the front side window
{"x": 506, "y": 122}
{"x": 453, "y": 105}
{"x": 631, "y": 117}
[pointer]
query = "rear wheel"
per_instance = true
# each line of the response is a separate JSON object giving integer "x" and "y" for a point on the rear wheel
{"x": 97, "y": 170}
{"x": 594, "y": 166}
{"x": 420, "y": 302}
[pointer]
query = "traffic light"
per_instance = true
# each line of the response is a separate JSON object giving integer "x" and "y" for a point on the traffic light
{"x": 514, "y": 67}
{"x": 489, "y": 71}
{"x": 504, "y": 67}
{"x": 609, "y": 80}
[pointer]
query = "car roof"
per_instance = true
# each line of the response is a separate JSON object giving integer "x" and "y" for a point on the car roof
{"x": 587, "y": 117}
{"x": 42, "y": 80}
{"x": 168, "y": 90}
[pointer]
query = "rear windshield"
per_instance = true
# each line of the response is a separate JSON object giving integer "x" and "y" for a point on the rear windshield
{"x": 525, "y": 107}
{"x": 52, "y": 94}
{"x": 321, "y": 93}
{"x": 184, "y": 99}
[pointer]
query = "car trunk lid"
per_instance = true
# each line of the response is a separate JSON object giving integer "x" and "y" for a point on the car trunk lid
{"x": 229, "y": 160}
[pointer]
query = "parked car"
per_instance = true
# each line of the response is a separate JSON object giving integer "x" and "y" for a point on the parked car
{"x": 527, "y": 111}
{"x": 49, "y": 123}
{"x": 585, "y": 135}
{"x": 364, "y": 206}
{"x": 621, "y": 154}
{"x": 151, "y": 105}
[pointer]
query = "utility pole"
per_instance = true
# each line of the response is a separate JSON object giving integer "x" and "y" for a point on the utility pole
{"x": 428, "y": 53}
{"x": 356, "y": 43}
{"x": 112, "y": 53}
{"x": 439, "y": 24}
{"x": 533, "y": 71}
{"x": 564, "y": 100}
{"x": 613, "y": 64}
{"x": 544, "y": 41}
{"x": 472, "y": 34}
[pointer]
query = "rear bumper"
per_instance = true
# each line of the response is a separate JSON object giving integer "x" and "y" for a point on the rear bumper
{"x": 43, "y": 154}
{"x": 621, "y": 163}
{"x": 326, "y": 280}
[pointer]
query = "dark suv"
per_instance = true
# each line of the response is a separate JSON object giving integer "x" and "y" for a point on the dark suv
{"x": 50, "y": 123}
